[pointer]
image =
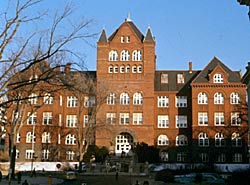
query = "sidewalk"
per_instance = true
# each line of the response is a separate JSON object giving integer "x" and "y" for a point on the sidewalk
{"x": 33, "y": 181}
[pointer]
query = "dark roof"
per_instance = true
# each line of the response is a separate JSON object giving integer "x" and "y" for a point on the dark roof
{"x": 133, "y": 27}
{"x": 149, "y": 36}
{"x": 103, "y": 37}
{"x": 203, "y": 77}
{"x": 172, "y": 84}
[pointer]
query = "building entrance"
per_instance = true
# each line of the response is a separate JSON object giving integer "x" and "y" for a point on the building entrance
{"x": 124, "y": 142}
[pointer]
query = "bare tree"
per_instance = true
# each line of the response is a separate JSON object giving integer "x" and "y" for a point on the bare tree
{"x": 23, "y": 52}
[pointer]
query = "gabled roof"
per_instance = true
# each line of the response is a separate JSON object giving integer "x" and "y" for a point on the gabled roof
{"x": 103, "y": 37}
{"x": 133, "y": 27}
{"x": 172, "y": 84}
{"x": 203, "y": 77}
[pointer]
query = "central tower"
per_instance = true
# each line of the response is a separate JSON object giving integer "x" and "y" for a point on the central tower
{"x": 126, "y": 69}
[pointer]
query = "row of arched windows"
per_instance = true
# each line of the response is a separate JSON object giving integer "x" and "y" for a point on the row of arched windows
{"x": 218, "y": 98}
{"x": 125, "y": 98}
{"x": 125, "y": 69}
{"x": 203, "y": 140}
{"x": 46, "y": 138}
{"x": 125, "y": 55}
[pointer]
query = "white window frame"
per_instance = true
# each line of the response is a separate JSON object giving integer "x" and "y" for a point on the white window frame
{"x": 122, "y": 69}
{"x": 139, "y": 69}
{"x": 70, "y": 139}
{"x": 235, "y": 119}
{"x": 137, "y": 98}
{"x": 137, "y": 119}
{"x": 127, "y": 70}
{"x": 234, "y": 98}
{"x": 218, "y": 98}
{"x": 203, "y": 118}
{"x": 110, "y": 69}
{"x": 85, "y": 120}
{"x": 115, "y": 69}
{"x": 72, "y": 101}
{"x": 134, "y": 69}
{"x": 164, "y": 78}
{"x": 219, "y": 140}
{"x": 32, "y": 118}
{"x": 203, "y": 140}
{"x": 237, "y": 158}
{"x": 202, "y": 98}
{"x": 180, "y": 78}
{"x": 111, "y": 118}
{"x": 181, "y": 101}
{"x": 163, "y": 101}
{"x": 219, "y": 119}
{"x": 45, "y": 154}
{"x": 70, "y": 155}
{"x": 236, "y": 140}
{"x": 48, "y": 99}
{"x": 30, "y": 137}
{"x": 163, "y": 121}
{"x": 125, "y": 55}
{"x": 71, "y": 121}
{"x": 47, "y": 118}
{"x": 181, "y": 121}
{"x": 181, "y": 140}
{"x": 218, "y": 78}
{"x": 124, "y": 119}
{"x": 181, "y": 156}
{"x": 136, "y": 55}
{"x": 29, "y": 154}
{"x": 46, "y": 137}
{"x": 33, "y": 98}
{"x": 111, "y": 99}
{"x": 162, "y": 140}
{"x": 124, "y": 98}
{"x": 113, "y": 55}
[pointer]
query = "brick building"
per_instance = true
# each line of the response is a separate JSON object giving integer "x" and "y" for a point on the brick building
{"x": 191, "y": 115}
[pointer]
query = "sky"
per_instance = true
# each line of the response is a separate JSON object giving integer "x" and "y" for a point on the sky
{"x": 184, "y": 30}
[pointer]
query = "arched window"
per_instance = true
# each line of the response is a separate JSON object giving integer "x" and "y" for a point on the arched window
{"x": 70, "y": 139}
{"x": 139, "y": 69}
{"x": 219, "y": 140}
{"x": 115, "y": 69}
{"x": 46, "y": 137}
{"x": 137, "y": 98}
{"x": 234, "y": 98}
{"x": 181, "y": 140}
{"x": 218, "y": 78}
{"x": 33, "y": 99}
{"x": 111, "y": 69}
{"x": 113, "y": 56}
{"x": 30, "y": 137}
{"x": 128, "y": 69}
{"x": 111, "y": 99}
{"x": 162, "y": 140}
{"x": 17, "y": 154}
{"x": 218, "y": 98}
{"x": 134, "y": 69}
{"x": 137, "y": 56}
{"x": 202, "y": 98}
{"x": 203, "y": 139}
{"x": 122, "y": 69}
{"x": 125, "y": 55}
{"x": 236, "y": 140}
{"x": 124, "y": 99}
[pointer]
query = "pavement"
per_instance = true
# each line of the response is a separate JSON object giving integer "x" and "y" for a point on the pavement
{"x": 40, "y": 180}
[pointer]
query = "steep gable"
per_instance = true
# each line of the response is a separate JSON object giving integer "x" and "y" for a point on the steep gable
{"x": 213, "y": 65}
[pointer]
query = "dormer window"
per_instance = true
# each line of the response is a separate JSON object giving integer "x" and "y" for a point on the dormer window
{"x": 180, "y": 78}
{"x": 218, "y": 78}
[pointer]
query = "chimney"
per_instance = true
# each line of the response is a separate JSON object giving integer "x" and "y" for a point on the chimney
{"x": 190, "y": 67}
{"x": 67, "y": 67}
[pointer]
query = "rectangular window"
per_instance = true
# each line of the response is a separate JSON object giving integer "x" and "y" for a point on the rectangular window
{"x": 60, "y": 100}
{"x": 163, "y": 121}
{"x": 72, "y": 101}
{"x": 164, "y": 78}
{"x": 111, "y": 118}
{"x": 124, "y": 118}
{"x": 235, "y": 118}
{"x": 237, "y": 158}
{"x": 32, "y": 118}
{"x": 180, "y": 78}
{"x": 70, "y": 155}
{"x": 85, "y": 120}
{"x": 71, "y": 120}
{"x": 59, "y": 139}
{"x": 181, "y": 101}
{"x": 60, "y": 119}
{"x": 47, "y": 118}
{"x": 204, "y": 157}
{"x": 29, "y": 154}
{"x": 128, "y": 39}
{"x": 219, "y": 118}
{"x": 45, "y": 154}
{"x": 202, "y": 118}
{"x": 48, "y": 99}
{"x": 137, "y": 118}
{"x": 181, "y": 121}
{"x": 163, "y": 101}
{"x": 122, "y": 39}
{"x": 181, "y": 157}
